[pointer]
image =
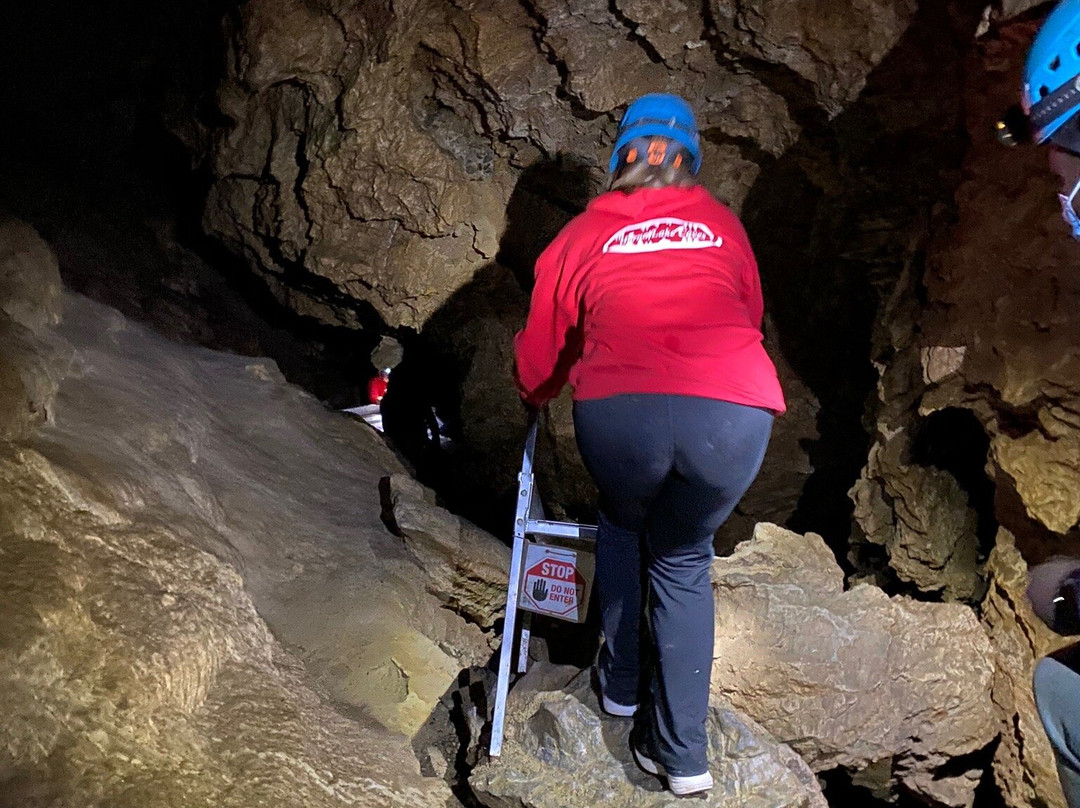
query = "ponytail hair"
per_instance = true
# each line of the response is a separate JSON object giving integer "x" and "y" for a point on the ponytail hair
{"x": 652, "y": 162}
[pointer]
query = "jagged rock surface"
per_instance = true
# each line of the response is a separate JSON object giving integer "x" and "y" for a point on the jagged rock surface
{"x": 465, "y": 567}
{"x": 561, "y": 750}
{"x": 374, "y": 148}
{"x": 1019, "y": 360}
{"x": 851, "y": 678}
{"x": 1023, "y": 761}
{"x": 831, "y": 46}
{"x": 920, "y": 516}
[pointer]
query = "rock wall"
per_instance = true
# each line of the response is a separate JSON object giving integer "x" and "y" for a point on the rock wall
{"x": 852, "y": 678}
{"x": 974, "y": 472}
{"x": 383, "y": 165}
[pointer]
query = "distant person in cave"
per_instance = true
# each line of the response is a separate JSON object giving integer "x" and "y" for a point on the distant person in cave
{"x": 378, "y": 385}
{"x": 1050, "y": 97}
{"x": 649, "y": 303}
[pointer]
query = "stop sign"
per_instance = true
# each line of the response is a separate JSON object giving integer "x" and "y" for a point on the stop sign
{"x": 553, "y": 584}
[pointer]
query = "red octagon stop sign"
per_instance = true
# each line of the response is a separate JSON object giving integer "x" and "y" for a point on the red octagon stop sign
{"x": 553, "y": 586}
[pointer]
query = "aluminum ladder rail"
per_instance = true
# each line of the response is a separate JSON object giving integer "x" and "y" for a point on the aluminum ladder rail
{"x": 526, "y": 528}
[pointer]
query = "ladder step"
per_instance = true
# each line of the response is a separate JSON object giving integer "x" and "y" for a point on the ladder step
{"x": 562, "y": 530}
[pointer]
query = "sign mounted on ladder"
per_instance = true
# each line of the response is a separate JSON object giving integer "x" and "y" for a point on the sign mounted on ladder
{"x": 556, "y": 582}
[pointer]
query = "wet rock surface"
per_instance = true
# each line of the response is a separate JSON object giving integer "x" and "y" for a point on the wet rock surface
{"x": 562, "y": 750}
{"x": 851, "y": 678}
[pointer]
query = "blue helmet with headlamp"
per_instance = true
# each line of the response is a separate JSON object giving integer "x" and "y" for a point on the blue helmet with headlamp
{"x": 659, "y": 114}
{"x": 1051, "y": 91}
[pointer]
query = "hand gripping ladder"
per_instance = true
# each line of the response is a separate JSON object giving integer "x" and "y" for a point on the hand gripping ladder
{"x": 529, "y": 527}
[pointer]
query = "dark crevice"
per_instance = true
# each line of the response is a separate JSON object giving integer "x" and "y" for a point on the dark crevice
{"x": 836, "y": 221}
{"x": 748, "y": 148}
{"x": 954, "y": 441}
{"x": 632, "y": 35}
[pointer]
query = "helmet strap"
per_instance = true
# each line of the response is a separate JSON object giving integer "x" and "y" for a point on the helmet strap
{"x": 1068, "y": 212}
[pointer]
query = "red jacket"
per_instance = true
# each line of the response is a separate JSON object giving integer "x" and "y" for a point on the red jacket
{"x": 653, "y": 291}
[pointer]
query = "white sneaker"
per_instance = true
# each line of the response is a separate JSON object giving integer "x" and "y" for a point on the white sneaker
{"x": 614, "y": 708}
{"x": 680, "y": 786}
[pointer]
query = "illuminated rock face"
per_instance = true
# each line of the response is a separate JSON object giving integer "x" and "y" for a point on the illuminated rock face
{"x": 561, "y": 749}
{"x": 166, "y": 494}
{"x": 851, "y": 677}
{"x": 380, "y": 162}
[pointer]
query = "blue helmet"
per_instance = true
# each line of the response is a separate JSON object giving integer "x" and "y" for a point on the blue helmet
{"x": 1051, "y": 92}
{"x": 660, "y": 114}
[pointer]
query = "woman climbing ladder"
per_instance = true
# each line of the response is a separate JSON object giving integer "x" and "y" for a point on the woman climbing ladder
{"x": 649, "y": 304}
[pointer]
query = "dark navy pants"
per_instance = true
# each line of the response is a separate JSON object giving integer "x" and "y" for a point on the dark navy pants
{"x": 1057, "y": 695}
{"x": 670, "y": 469}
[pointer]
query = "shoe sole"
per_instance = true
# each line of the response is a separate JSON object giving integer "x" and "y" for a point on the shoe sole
{"x": 680, "y": 786}
{"x": 616, "y": 709}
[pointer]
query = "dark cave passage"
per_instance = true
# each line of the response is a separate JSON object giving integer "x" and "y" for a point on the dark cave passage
{"x": 837, "y": 220}
{"x": 103, "y": 107}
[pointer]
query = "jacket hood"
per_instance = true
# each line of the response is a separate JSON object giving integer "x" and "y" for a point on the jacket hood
{"x": 654, "y": 200}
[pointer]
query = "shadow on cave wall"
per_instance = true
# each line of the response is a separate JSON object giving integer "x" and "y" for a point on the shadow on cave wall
{"x": 461, "y": 363}
{"x": 87, "y": 158}
{"x": 835, "y": 220}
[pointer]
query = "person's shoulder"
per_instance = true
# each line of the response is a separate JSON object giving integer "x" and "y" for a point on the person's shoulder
{"x": 597, "y": 214}
{"x": 722, "y": 212}
{"x": 704, "y": 197}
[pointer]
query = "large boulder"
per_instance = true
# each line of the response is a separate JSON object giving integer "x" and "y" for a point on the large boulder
{"x": 33, "y": 360}
{"x": 851, "y": 677}
{"x": 560, "y": 750}
{"x": 137, "y": 671}
{"x": 197, "y": 584}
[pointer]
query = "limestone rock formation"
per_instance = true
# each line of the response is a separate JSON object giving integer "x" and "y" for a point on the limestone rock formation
{"x": 920, "y": 516}
{"x": 1024, "y": 767}
{"x": 171, "y": 493}
{"x": 372, "y": 149}
{"x": 851, "y": 678}
{"x": 830, "y": 46}
{"x": 1020, "y": 360}
{"x": 136, "y": 671}
{"x": 561, "y": 750}
{"x": 465, "y": 567}
{"x": 32, "y": 361}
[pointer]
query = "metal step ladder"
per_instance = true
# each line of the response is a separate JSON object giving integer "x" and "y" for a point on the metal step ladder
{"x": 530, "y": 527}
